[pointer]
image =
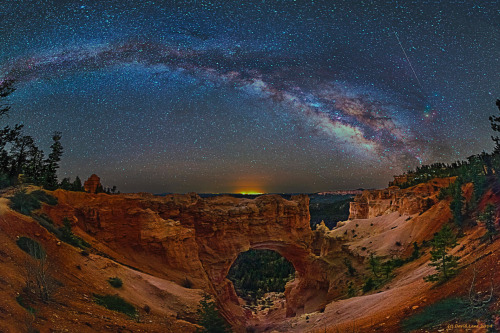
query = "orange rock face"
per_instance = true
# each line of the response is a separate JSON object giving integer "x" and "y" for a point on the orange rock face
{"x": 409, "y": 201}
{"x": 92, "y": 184}
{"x": 185, "y": 236}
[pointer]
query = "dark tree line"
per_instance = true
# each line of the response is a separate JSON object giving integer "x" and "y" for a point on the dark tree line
{"x": 21, "y": 161}
{"x": 482, "y": 170}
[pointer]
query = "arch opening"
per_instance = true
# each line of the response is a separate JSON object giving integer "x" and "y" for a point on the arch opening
{"x": 259, "y": 277}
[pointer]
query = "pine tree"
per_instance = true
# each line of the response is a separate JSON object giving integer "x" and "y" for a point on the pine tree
{"x": 488, "y": 217}
{"x": 495, "y": 125}
{"x": 77, "y": 185}
{"x": 416, "y": 252}
{"x": 66, "y": 184}
{"x": 387, "y": 268}
{"x": 52, "y": 162}
{"x": 209, "y": 317}
{"x": 34, "y": 168}
{"x": 445, "y": 264}
{"x": 6, "y": 88}
{"x": 374, "y": 264}
{"x": 19, "y": 154}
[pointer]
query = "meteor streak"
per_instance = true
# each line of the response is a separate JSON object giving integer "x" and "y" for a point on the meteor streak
{"x": 409, "y": 62}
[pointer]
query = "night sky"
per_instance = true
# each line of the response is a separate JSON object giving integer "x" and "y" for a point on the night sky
{"x": 267, "y": 96}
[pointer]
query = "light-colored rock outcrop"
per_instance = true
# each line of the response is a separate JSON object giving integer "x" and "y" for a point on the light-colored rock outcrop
{"x": 413, "y": 200}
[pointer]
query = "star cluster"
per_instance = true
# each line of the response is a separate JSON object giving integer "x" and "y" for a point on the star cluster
{"x": 280, "y": 96}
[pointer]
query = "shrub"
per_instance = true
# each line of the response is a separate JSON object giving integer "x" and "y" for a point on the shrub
{"x": 5, "y": 180}
{"x": 116, "y": 303}
{"x": 44, "y": 197}
{"x": 115, "y": 282}
{"x": 31, "y": 247}
{"x": 48, "y": 224}
{"x": 416, "y": 252}
{"x": 38, "y": 270}
{"x": 24, "y": 203}
{"x": 209, "y": 317}
{"x": 20, "y": 300}
{"x": 64, "y": 233}
{"x": 69, "y": 237}
{"x": 369, "y": 285}
{"x": 396, "y": 262}
{"x": 351, "y": 291}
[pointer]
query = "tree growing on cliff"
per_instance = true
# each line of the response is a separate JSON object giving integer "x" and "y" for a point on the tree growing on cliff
{"x": 375, "y": 265}
{"x": 445, "y": 264}
{"x": 52, "y": 162}
{"x": 77, "y": 185}
{"x": 488, "y": 217}
{"x": 350, "y": 269}
{"x": 210, "y": 318}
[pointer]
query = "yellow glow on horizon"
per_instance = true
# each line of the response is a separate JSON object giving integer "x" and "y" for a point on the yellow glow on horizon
{"x": 250, "y": 192}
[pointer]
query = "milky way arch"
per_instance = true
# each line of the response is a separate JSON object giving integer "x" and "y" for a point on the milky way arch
{"x": 356, "y": 118}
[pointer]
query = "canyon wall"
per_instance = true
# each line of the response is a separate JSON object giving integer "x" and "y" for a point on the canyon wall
{"x": 414, "y": 200}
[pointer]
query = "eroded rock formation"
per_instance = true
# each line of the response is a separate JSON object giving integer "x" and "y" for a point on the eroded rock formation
{"x": 92, "y": 184}
{"x": 187, "y": 237}
{"x": 373, "y": 203}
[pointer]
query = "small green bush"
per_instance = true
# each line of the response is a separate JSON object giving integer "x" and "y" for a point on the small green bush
{"x": 397, "y": 262}
{"x": 209, "y": 317}
{"x": 5, "y": 181}
{"x": 24, "y": 203}
{"x": 48, "y": 224}
{"x": 116, "y": 303}
{"x": 69, "y": 237}
{"x": 31, "y": 247}
{"x": 369, "y": 285}
{"x": 20, "y": 300}
{"x": 44, "y": 197}
{"x": 115, "y": 282}
{"x": 64, "y": 233}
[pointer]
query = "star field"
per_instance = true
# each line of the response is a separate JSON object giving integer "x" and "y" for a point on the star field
{"x": 279, "y": 96}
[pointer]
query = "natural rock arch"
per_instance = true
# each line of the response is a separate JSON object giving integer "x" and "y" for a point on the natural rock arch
{"x": 306, "y": 293}
{"x": 181, "y": 237}
{"x": 272, "y": 223}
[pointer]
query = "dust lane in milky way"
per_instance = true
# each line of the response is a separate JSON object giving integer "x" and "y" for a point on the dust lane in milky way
{"x": 178, "y": 96}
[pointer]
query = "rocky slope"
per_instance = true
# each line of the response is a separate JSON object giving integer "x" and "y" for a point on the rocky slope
{"x": 416, "y": 199}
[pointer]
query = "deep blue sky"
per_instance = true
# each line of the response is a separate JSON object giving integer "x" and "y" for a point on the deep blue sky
{"x": 276, "y": 96}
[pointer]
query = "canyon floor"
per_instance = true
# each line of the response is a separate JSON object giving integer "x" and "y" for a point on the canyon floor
{"x": 169, "y": 251}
